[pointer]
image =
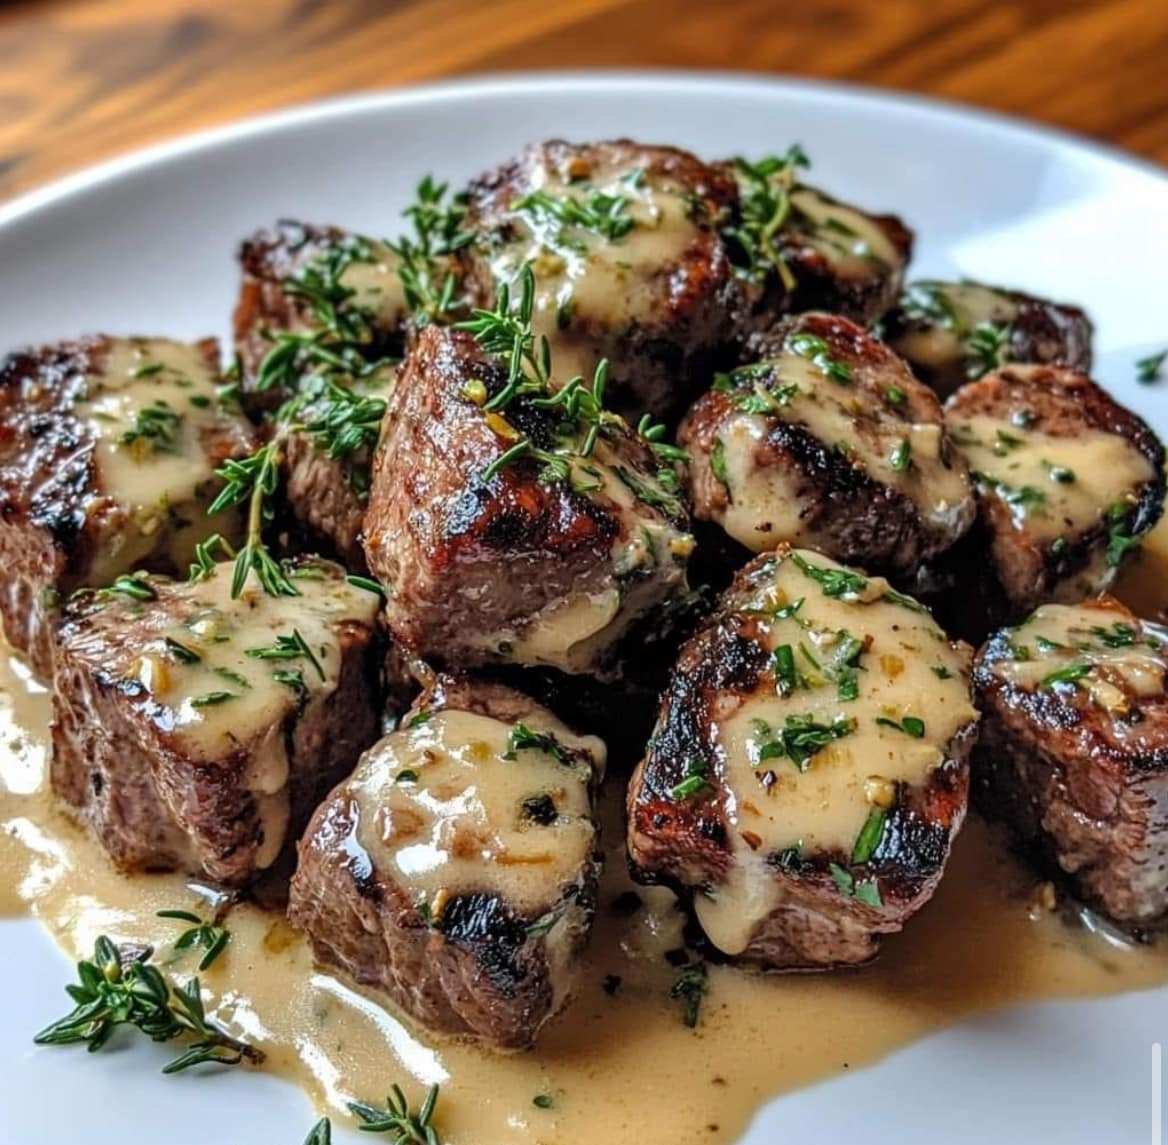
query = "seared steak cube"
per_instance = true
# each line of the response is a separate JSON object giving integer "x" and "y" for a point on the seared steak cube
{"x": 1074, "y": 750}
{"x": 308, "y": 293}
{"x": 455, "y": 870}
{"x": 829, "y": 442}
{"x": 321, "y": 317}
{"x": 493, "y": 551}
{"x": 809, "y": 766}
{"x": 108, "y": 448}
{"x": 951, "y": 332}
{"x": 799, "y": 249}
{"x": 1067, "y": 481}
{"x": 196, "y": 731}
{"x": 624, "y": 240}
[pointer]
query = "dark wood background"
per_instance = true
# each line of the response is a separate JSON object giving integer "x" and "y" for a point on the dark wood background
{"x": 81, "y": 80}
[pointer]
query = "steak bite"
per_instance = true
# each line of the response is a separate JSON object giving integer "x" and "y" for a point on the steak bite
{"x": 196, "y": 731}
{"x": 809, "y": 766}
{"x": 108, "y": 451}
{"x": 951, "y": 332}
{"x": 624, "y": 240}
{"x": 798, "y": 249}
{"x": 1074, "y": 750}
{"x": 1067, "y": 481}
{"x": 309, "y": 295}
{"x": 455, "y": 870}
{"x": 830, "y": 442}
{"x": 321, "y": 319}
{"x": 508, "y": 530}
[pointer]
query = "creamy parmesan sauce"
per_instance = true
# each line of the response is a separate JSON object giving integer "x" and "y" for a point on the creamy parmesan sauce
{"x": 377, "y": 285}
{"x": 849, "y": 239}
{"x": 451, "y": 804}
{"x": 648, "y": 562}
{"x": 148, "y": 405}
{"x": 941, "y": 344}
{"x": 1107, "y": 652}
{"x": 1053, "y": 486}
{"x": 618, "y": 1067}
{"x": 767, "y": 502}
{"x": 895, "y": 663}
{"x": 214, "y": 693}
{"x": 583, "y": 277}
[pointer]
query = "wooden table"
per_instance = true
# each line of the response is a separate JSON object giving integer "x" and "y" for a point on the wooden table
{"x": 81, "y": 80}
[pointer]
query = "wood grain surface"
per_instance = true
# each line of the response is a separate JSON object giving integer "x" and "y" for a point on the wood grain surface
{"x": 84, "y": 80}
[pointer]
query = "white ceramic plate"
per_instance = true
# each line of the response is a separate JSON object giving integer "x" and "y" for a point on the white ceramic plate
{"x": 145, "y": 245}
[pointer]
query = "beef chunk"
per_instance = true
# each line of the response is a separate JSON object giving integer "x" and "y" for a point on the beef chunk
{"x": 320, "y": 321}
{"x": 488, "y": 557}
{"x": 108, "y": 448}
{"x": 1074, "y": 750}
{"x": 198, "y": 732}
{"x": 799, "y": 249}
{"x": 951, "y": 332}
{"x": 624, "y": 240}
{"x": 455, "y": 870}
{"x": 1067, "y": 481}
{"x": 808, "y": 769}
{"x": 828, "y": 441}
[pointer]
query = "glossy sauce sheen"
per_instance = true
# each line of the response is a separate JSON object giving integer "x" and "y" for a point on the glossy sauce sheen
{"x": 1074, "y": 480}
{"x": 617, "y": 1068}
{"x": 377, "y": 285}
{"x": 774, "y": 806}
{"x": 584, "y": 276}
{"x": 965, "y": 305}
{"x": 765, "y": 503}
{"x": 161, "y": 482}
{"x": 441, "y": 809}
{"x": 847, "y": 238}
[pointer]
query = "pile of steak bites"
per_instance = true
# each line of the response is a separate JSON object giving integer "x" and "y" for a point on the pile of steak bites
{"x": 613, "y": 434}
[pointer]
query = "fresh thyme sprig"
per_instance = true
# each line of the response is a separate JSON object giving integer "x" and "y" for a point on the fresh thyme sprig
{"x": 1149, "y": 369}
{"x": 766, "y": 207}
{"x": 429, "y": 284}
{"x": 600, "y": 212}
{"x": 115, "y": 988}
{"x": 212, "y": 937}
{"x": 398, "y": 1120}
{"x": 206, "y": 553}
{"x": 292, "y": 647}
{"x": 986, "y": 348}
{"x": 254, "y": 480}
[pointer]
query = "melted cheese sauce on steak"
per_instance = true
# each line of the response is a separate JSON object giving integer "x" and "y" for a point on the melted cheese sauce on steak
{"x": 227, "y": 677}
{"x": 647, "y": 566}
{"x": 376, "y": 284}
{"x": 860, "y": 669}
{"x": 588, "y": 277}
{"x": 1054, "y": 487}
{"x": 850, "y": 240}
{"x": 1105, "y": 651}
{"x": 952, "y": 311}
{"x": 617, "y": 1066}
{"x": 149, "y": 405}
{"x": 767, "y": 503}
{"x": 455, "y": 803}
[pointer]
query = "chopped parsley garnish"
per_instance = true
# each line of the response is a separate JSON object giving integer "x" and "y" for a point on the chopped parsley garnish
{"x": 1027, "y": 498}
{"x": 694, "y": 782}
{"x": 1150, "y": 369}
{"x": 1119, "y": 540}
{"x": 901, "y": 457}
{"x": 910, "y": 725}
{"x": 801, "y": 738}
{"x": 1117, "y": 635}
{"x": 866, "y": 891}
{"x": 1071, "y": 674}
{"x": 833, "y": 582}
{"x": 718, "y": 463}
{"x": 986, "y": 348}
{"x": 787, "y": 677}
{"x": 134, "y": 585}
{"x": 156, "y": 426}
{"x": 895, "y": 396}
{"x": 815, "y": 350}
{"x": 691, "y": 986}
{"x": 941, "y": 672}
{"x": 366, "y": 583}
{"x": 868, "y": 840}
{"x": 180, "y": 651}
{"x": 211, "y": 698}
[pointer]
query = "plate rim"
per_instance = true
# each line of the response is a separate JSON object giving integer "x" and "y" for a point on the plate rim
{"x": 665, "y": 81}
